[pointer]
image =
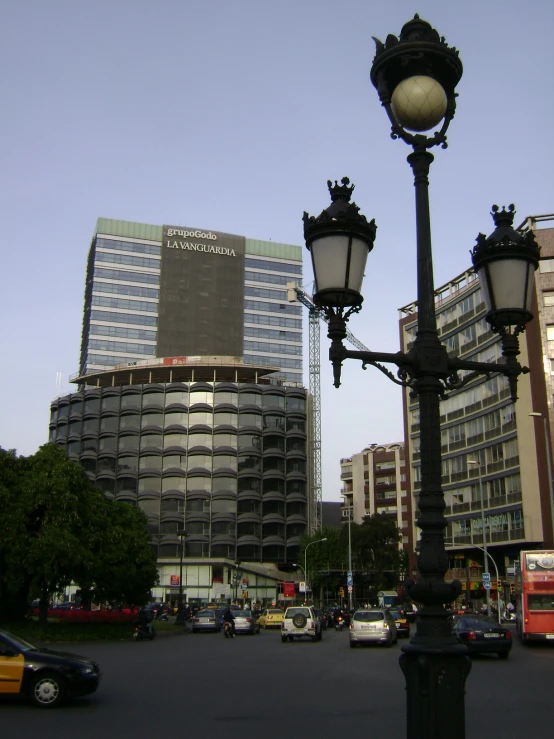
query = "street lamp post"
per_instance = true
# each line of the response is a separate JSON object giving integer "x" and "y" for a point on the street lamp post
{"x": 486, "y": 560}
{"x": 549, "y": 464}
{"x": 416, "y": 76}
{"x": 350, "y": 587}
{"x": 304, "y": 571}
{"x": 306, "y": 560}
{"x": 487, "y": 554}
{"x": 181, "y": 533}
{"x": 236, "y": 579}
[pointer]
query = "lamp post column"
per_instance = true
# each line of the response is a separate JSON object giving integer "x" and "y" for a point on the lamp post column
{"x": 350, "y": 591}
{"x": 181, "y": 535}
{"x": 434, "y": 665}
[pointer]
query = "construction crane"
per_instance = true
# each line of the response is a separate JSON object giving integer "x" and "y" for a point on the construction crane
{"x": 315, "y": 316}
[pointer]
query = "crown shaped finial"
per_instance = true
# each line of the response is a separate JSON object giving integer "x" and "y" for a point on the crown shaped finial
{"x": 503, "y": 217}
{"x": 340, "y": 192}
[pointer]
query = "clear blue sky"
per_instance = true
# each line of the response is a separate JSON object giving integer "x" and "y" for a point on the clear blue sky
{"x": 232, "y": 116}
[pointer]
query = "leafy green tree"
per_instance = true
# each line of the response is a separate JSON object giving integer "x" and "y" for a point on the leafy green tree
{"x": 14, "y": 581}
{"x": 57, "y": 528}
{"x": 375, "y": 549}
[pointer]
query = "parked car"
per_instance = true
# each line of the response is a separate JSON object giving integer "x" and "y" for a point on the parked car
{"x": 482, "y": 635}
{"x": 206, "y": 621}
{"x": 46, "y": 676}
{"x": 372, "y": 626}
{"x": 401, "y": 621}
{"x": 68, "y": 605}
{"x": 300, "y": 621}
{"x": 271, "y": 618}
{"x": 245, "y": 623}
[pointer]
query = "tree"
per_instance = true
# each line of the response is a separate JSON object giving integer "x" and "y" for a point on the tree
{"x": 57, "y": 528}
{"x": 375, "y": 548}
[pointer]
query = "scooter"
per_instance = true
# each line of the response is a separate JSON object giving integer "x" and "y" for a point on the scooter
{"x": 228, "y": 630}
{"x": 144, "y": 632}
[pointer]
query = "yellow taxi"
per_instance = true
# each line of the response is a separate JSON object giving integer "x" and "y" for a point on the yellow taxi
{"x": 271, "y": 618}
{"x": 45, "y": 676}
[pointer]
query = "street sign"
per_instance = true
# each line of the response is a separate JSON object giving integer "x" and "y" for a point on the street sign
{"x": 486, "y": 577}
{"x": 244, "y": 587}
{"x": 350, "y": 588}
{"x": 301, "y": 587}
{"x": 487, "y": 584}
{"x": 349, "y": 579}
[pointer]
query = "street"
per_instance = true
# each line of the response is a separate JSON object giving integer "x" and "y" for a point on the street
{"x": 210, "y": 687}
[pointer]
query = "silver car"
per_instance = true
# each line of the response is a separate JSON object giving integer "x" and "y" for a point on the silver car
{"x": 374, "y": 625}
{"x": 245, "y": 623}
{"x": 206, "y": 621}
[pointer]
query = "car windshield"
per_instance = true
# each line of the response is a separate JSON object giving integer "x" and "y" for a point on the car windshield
{"x": 369, "y": 616}
{"x": 293, "y": 611}
{"x": 397, "y": 614}
{"x": 242, "y": 614}
{"x": 477, "y": 623}
{"x": 18, "y": 642}
{"x": 204, "y": 614}
{"x": 275, "y": 610}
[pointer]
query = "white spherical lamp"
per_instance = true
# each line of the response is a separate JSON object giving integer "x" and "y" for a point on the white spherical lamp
{"x": 419, "y": 103}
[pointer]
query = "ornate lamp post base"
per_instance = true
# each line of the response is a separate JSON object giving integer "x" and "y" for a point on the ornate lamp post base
{"x": 435, "y": 686}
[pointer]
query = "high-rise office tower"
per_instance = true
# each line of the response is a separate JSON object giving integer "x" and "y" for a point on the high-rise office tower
{"x": 161, "y": 291}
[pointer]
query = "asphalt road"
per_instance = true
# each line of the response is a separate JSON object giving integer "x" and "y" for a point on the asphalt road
{"x": 205, "y": 686}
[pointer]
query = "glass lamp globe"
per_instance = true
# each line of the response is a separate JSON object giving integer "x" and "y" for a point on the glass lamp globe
{"x": 419, "y": 103}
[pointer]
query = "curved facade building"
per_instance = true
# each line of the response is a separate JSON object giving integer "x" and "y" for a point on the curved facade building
{"x": 217, "y": 448}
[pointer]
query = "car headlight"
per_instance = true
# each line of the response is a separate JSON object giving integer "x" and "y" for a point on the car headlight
{"x": 86, "y": 670}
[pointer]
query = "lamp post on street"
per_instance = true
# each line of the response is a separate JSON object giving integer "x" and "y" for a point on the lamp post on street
{"x": 416, "y": 76}
{"x": 236, "y": 579}
{"x": 304, "y": 571}
{"x": 181, "y": 533}
{"x": 486, "y": 560}
{"x": 350, "y": 587}
{"x": 549, "y": 465}
{"x": 306, "y": 560}
{"x": 487, "y": 554}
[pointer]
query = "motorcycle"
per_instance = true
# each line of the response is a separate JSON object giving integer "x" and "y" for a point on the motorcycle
{"x": 144, "y": 632}
{"x": 228, "y": 631}
{"x": 339, "y": 623}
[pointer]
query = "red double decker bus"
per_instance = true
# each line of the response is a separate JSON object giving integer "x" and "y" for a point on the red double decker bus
{"x": 535, "y": 596}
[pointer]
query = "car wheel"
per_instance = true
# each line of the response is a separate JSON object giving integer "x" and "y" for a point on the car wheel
{"x": 283, "y": 639}
{"x": 389, "y": 643}
{"x": 299, "y": 620}
{"x": 315, "y": 638}
{"x": 503, "y": 655}
{"x": 320, "y": 636}
{"x": 48, "y": 690}
{"x": 291, "y": 638}
{"x": 353, "y": 645}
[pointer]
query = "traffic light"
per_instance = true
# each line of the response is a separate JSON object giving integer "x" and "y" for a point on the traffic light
{"x": 512, "y": 589}
{"x": 341, "y": 592}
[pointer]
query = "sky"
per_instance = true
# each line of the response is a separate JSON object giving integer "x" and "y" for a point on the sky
{"x": 232, "y": 116}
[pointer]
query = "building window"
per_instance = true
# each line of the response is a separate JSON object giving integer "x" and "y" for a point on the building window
{"x": 546, "y": 265}
{"x": 548, "y": 299}
{"x": 550, "y": 332}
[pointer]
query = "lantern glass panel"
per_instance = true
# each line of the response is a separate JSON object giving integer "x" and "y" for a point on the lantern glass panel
{"x": 330, "y": 262}
{"x": 510, "y": 284}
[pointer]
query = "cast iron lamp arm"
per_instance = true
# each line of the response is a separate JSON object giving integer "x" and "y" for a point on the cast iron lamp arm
{"x": 409, "y": 364}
